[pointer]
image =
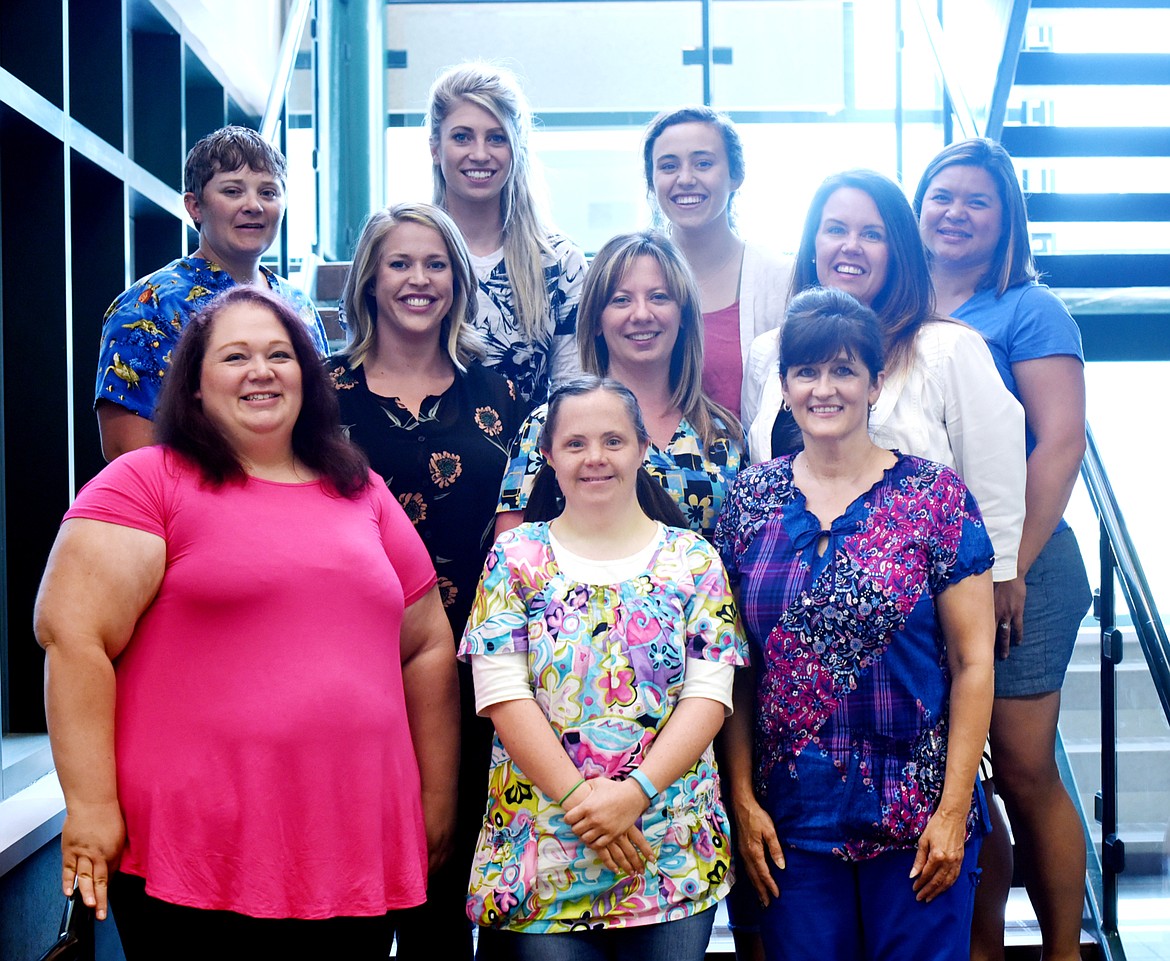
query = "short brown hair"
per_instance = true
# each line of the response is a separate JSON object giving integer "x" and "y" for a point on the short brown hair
{"x": 231, "y": 148}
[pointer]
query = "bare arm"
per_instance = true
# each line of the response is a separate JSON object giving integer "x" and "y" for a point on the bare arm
{"x": 613, "y": 807}
{"x": 85, "y": 613}
{"x": 966, "y": 616}
{"x": 122, "y": 430}
{"x": 431, "y": 688}
{"x": 537, "y": 751}
{"x": 755, "y": 831}
{"x": 1053, "y": 393}
{"x": 507, "y": 520}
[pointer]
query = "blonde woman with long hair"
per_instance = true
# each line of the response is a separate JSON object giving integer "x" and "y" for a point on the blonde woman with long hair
{"x": 529, "y": 276}
{"x": 435, "y": 424}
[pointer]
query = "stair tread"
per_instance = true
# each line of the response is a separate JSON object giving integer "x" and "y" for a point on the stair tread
{"x": 1050, "y": 68}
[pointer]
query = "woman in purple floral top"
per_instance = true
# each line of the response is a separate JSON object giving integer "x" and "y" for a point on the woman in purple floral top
{"x": 864, "y": 581}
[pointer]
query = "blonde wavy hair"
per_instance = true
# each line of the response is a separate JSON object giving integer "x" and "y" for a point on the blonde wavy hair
{"x": 496, "y": 90}
{"x": 457, "y": 335}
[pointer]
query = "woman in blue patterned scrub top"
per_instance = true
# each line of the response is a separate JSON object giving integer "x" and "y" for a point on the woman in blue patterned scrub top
{"x": 603, "y": 644}
{"x": 641, "y": 324}
{"x": 864, "y": 578}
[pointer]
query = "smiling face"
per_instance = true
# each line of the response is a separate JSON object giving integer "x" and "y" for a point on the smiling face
{"x": 692, "y": 179}
{"x": 961, "y": 221}
{"x": 250, "y": 379}
{"x": 831, "y": 400}
{"x": 473, "y": 154}
{"x": 595, "y": 450}
{"x": 852, "y": 253}
{"x": 238, "y": 214}
{"x": 641, "y": 319}
{"x": 414, "y": 284}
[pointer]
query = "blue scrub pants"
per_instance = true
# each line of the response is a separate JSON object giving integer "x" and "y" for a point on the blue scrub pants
{"x": 834, "y": 910}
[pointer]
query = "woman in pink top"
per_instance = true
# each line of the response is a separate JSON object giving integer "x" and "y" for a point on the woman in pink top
{"x": 693, "y": 161}
{"x": 250, "y": 679}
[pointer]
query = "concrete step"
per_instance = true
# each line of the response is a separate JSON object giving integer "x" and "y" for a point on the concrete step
{"x": 1085, "y": 723}
{"x": 1135, "y": 688}
{"x": 330, "y": 282}
{"x": 332, "y": 326}
{"x": 1143, "y": 780}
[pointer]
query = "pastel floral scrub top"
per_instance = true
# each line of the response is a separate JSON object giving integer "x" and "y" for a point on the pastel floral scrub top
{"x": 606, "y": 664}
{"x": 444, "y": 466}
{"x": 142, "y": 327}
{"x": 852, "y": 680}
{"x": 697, "y": 481}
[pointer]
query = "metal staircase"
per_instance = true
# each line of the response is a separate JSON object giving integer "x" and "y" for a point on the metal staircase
{"x": 1068, "y": 105}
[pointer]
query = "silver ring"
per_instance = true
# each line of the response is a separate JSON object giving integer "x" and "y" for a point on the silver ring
{"x": 1005, "y": 625}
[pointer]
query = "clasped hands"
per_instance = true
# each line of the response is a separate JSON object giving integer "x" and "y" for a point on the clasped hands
{"x": 603, "y": 813}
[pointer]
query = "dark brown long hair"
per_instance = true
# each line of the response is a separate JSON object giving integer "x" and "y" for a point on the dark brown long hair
{"x": 546, "y": 501}
{"x": 317, "y": 441}
{"x": 1012, "y": 263}
{"x": 906, "y": 300}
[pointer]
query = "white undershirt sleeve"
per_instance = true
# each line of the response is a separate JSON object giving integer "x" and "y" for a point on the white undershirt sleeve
{"x": 500, "y": 677}
{"x": 710, "y": 679}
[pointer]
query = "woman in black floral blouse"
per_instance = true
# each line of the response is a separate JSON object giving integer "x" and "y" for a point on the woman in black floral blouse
{"x": 436, "y": 425}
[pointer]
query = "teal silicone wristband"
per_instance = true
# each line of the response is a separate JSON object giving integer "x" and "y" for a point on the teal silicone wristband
{"x": 645, "y": 784}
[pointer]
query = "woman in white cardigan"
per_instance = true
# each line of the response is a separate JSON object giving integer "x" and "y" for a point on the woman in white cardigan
{"x": 943, "y": 398}
{"x": 693, "y": 163}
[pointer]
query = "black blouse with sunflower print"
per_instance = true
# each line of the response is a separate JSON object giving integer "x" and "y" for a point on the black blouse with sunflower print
{"x": 444, "y": 466}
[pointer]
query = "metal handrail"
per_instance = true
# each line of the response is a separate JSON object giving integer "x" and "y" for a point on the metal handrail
{"x": 936, "y": 37}
{"x": 272, "y": 128}
{"x": 1147, "y": 622}
{"x": 965, "y": 116}
{"x": 1119, "y": 566}
{"x": 298, "y": 17}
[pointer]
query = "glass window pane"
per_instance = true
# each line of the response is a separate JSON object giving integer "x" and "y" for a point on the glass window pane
{"x": 771, "y": 69}
{"x": 569, "y": 56}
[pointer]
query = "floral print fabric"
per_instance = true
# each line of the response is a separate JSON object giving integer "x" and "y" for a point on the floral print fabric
{"x": 606, "y": 663}
{"x": 853, "y": 684}
{"x": 143, "y": 324}
{"x": 698, "y": 482}
{"x": 552, "y": 358}
{"x": 443, "y": 466}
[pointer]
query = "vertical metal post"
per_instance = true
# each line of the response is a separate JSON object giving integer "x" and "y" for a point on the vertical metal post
{"x": 282, "y": 246}
{"x": 1112, "y": 847}
{"x": 705, "y": 7}
{"x": 899, "y": 118}
{"x": 948, "y": 110}
{"x": 353, "y": 154}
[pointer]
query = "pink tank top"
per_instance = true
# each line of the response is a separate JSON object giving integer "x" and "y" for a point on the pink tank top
{"x": 722, "y": 357}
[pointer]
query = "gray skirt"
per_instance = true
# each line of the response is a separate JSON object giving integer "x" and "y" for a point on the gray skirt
{"x": 1058, "y": 597}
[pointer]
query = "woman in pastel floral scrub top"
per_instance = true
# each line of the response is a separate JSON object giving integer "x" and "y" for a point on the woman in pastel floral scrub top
{"x": 603, "y": 644}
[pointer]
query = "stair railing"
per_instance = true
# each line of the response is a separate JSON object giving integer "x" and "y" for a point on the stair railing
{"x": 1009, "y": 16}
{"x": 274, "y": 123}
{"x": 1120, "y": 565}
